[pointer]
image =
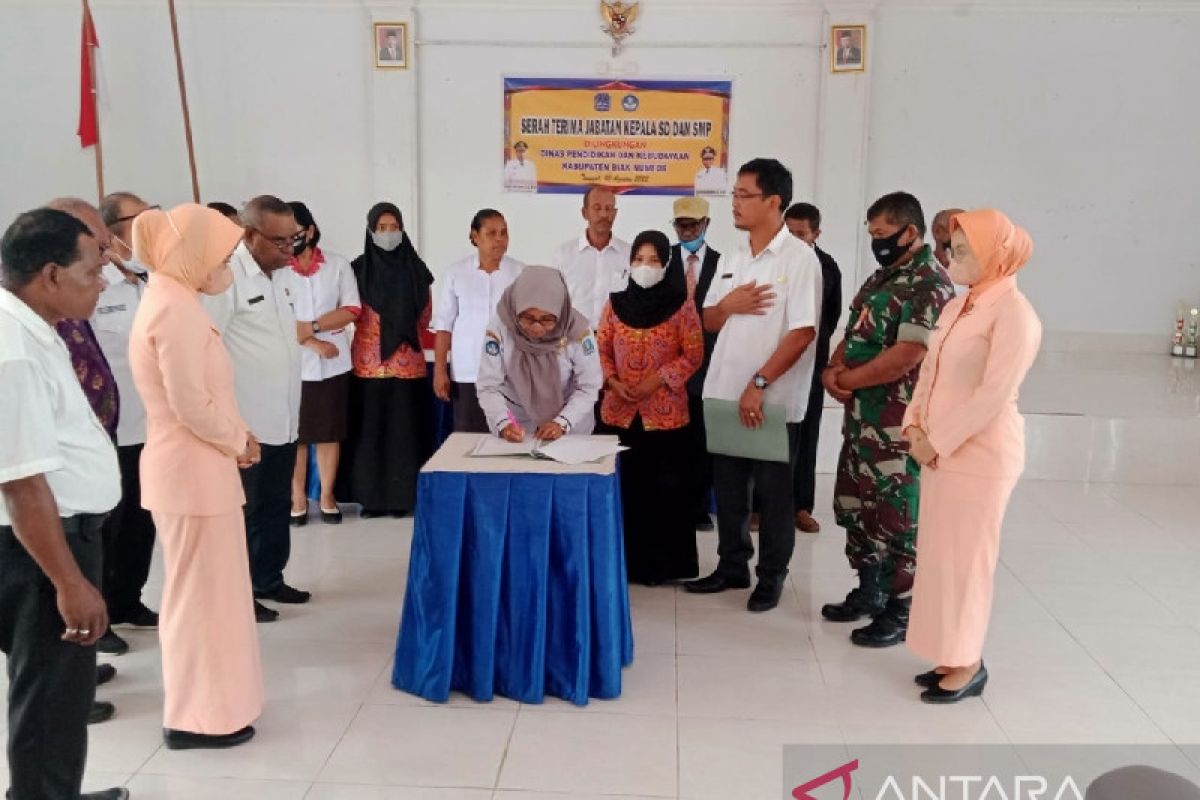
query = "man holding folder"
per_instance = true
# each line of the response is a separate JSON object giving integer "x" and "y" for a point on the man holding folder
{"x": 764, "y": 305}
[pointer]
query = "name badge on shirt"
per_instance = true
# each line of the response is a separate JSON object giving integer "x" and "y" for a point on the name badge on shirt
{"x": 254, "y": 300}
{"x": 111, "y": 309}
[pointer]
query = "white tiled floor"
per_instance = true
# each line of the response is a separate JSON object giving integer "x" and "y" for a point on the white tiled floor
{"x": 1095, "y": 638}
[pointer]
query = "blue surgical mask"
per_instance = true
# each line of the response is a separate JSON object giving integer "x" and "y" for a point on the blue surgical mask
{"x": 694, "y": 244}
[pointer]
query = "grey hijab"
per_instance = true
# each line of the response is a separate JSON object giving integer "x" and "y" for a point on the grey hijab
{"x": 534, "y": 369}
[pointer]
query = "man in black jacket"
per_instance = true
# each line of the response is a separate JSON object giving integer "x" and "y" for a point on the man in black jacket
{"x": 699, "y": 261}
{"x": 804, "y": 221}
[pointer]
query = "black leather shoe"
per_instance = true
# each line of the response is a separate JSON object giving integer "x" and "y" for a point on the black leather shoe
{"x": 331, "y": 517}
{"x": 101, "y": 712}
{"x": 868, "y": 600}
{"x": 973, "y": 688}
{"x": 299, "y": 520}
{"x": 119, "y": 793}
{"x": 717, "y": 582}
{"x": 264, "y": 614}
{"x": 285, "y": 594}
{"x": 765, "y": 596}
{"x": 139, "y": 617}
{"x": 182, "y": 740}
{"x": 111, "y": 644}
{"x": 704, "y": 523}
{"x": 927, "y": 679}
{"x": 105, "y": 673}
{"x": 887, "y": 629}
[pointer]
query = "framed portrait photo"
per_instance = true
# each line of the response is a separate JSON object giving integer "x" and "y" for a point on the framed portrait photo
{"x": 848, "y": 48}
{"x": 390, "y": 44}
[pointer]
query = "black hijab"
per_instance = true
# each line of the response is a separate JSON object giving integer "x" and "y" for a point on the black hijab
{"x": 646, "y": 308}
{"x": 394, "y": 284}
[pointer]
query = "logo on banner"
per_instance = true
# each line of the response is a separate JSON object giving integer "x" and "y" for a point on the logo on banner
{"x": 602, "y": 101}
{"x": 630, "y": 103}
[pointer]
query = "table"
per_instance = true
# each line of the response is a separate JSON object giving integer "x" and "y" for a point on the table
{"x": 516, "y": 580}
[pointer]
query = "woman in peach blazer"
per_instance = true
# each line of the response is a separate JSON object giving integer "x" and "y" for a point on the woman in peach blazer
{"x": 964, "y": 428}
{"x": 195, "y": 442}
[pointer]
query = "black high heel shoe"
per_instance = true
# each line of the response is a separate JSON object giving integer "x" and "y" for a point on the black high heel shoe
{"x": 973, "y": 688}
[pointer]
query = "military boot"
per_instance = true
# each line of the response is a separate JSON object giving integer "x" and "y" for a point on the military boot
{"x": 867, "y": 600}
{"x": 888, "y": 628}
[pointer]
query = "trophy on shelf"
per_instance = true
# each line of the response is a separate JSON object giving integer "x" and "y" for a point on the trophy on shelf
{"x": 1178, "y": 335}
{"x": 1189, "y": 339}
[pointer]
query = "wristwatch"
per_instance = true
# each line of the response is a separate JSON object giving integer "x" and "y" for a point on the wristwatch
{"x": 760, "y": 381}
{"x": 316, "y": 326}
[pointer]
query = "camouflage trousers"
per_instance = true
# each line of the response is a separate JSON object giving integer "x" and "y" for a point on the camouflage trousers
{"x": 875, "y": 498}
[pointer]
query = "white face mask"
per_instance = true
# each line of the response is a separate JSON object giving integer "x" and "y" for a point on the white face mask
{"x": 646, "y": 277}
{"x": 388, "y": 240}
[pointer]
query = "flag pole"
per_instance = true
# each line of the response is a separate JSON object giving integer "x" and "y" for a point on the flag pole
{"x": 187, "y": 117}
{"x": 98, "y": 147}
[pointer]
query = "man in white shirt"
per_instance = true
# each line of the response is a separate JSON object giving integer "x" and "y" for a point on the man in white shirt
{"x": 597, "y": 263}
{"x": 520, "y": 174}
{"x": 765, "y": 305}
{"x": 58, "y": 477}
{"x": 710, "y": 179}
{"x": 129, "y": 531}
{"x": 258, "y": 324}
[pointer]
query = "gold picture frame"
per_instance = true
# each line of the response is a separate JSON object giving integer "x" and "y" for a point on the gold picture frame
{"x": 848, "y": 48}
{"x": 389, "y": 43}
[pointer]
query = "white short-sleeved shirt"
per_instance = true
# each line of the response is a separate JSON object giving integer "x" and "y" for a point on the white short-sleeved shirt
{"x": 112, "y": 321}
{"x": 520, "y": 177}
{"x": 466, "y": 302}
{"x": 48, "y": 426}
{"x": 258, "y": 325}
{"x": 331, "y": 287}
{"x": 591, "y": 274}
{"x": 579, "y": 370}
{"x": 712, "y": 180}
{"x": 747, "y": 341}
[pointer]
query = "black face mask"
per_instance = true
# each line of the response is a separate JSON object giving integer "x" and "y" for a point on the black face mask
{"x": 299, "y": 247}
{"x": 888, "y": 251}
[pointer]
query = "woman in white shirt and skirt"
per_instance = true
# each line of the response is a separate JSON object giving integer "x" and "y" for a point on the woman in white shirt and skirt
{"x": 325, "y": 294}
{"x": 471, "y": 288}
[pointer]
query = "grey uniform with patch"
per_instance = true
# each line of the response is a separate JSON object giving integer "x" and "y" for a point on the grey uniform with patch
{"x": 579, "y": 368}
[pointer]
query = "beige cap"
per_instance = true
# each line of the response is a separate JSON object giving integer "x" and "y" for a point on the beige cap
{"x": 691, "y": 208}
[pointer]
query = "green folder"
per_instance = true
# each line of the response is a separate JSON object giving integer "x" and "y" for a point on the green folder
{"x": 727, "y": 435}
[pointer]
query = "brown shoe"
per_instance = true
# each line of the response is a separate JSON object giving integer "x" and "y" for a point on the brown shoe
{"x": 754, "y": 522}
{"x": 806, "y": 523}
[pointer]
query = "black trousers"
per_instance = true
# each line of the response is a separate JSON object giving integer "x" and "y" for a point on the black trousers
{"x": 128, "y": 541}
{"x": 702, "y": 474}
{"x": 804, "y": 454}
{"x": 738, "y": 482}
{"x": 52, "y": 683}
{"x": 268, "y": 487}
{"x": 468, "y": 414}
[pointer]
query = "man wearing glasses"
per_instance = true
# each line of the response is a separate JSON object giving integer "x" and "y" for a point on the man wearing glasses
{"x": 258, "y": 324}
{"x": 700, "y": 265}
{"x": 764, "y": 306}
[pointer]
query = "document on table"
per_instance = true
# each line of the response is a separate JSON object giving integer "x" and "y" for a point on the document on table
{"x": 567, "y": 450}
{"x": 727, "y": 435}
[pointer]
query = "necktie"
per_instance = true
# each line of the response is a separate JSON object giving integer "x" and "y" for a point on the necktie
{"x": 692, "y": 261}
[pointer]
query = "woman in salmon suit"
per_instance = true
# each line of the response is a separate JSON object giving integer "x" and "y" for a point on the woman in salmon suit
{"x": 196, "y": 440}
{"x": 964, "y": 428}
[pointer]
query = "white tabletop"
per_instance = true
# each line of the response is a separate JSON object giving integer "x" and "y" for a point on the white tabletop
{"x": 453, "y": 457}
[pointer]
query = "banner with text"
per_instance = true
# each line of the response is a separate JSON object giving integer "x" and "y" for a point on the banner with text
{"x": 637, "y": 136}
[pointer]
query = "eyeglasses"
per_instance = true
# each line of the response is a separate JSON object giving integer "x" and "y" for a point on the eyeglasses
{"x": 282, "y": 242}
{"x": 546, "y": 321}
{"x": 747, "y": 195}
{"x": 127, "y": 218}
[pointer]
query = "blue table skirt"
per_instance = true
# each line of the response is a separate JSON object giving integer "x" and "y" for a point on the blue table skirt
{"x": 516, "y": 586}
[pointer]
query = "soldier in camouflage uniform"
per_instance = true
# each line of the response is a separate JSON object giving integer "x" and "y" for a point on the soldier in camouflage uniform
{"x": 873, "y": 373}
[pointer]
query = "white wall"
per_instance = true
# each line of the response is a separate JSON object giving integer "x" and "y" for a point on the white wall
{"x": 1056, "y": 111}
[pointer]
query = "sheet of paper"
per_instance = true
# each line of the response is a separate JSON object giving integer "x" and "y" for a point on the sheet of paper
{"x": 495, "y": 446}
{"x": 578, "y": 449}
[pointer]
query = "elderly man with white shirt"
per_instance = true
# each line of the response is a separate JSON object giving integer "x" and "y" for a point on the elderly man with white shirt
{"x": 257, "y": 321}
{"x": 596, "y": 264}
{"x": 764, "y": 304}
{"x": 129, "y": 531}
{"x": 58, "y": 478}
